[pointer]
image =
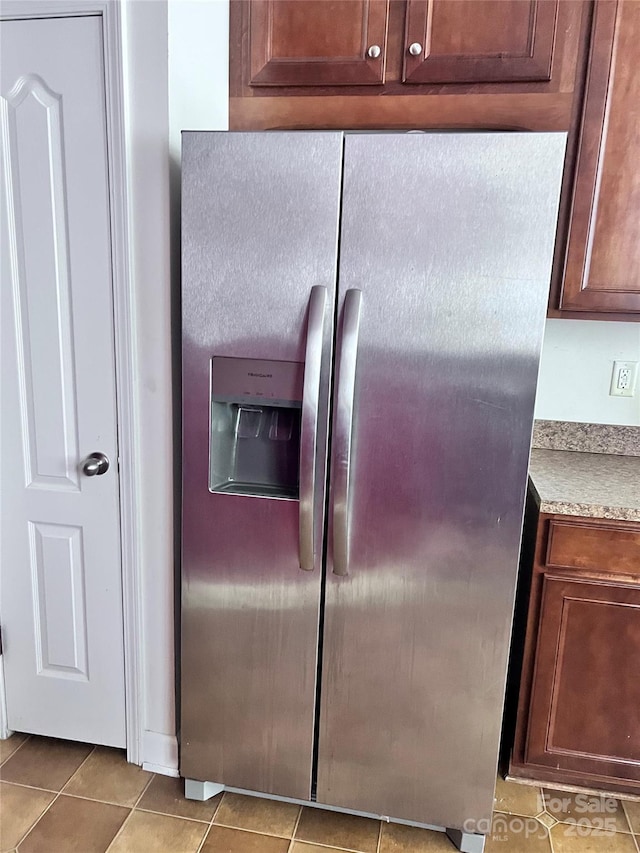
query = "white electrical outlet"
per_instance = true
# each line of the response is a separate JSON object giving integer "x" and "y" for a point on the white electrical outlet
{"x": 623, "y": 378}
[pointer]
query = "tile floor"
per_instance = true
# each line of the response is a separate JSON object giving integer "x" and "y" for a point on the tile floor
{"x": 61, "y": 797}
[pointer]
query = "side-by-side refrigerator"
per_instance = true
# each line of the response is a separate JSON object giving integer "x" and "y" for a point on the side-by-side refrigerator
{"x": 362, "y": 322}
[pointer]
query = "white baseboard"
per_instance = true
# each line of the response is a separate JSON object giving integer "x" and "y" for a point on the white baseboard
{"x": 5, "y": 731}
{"x": 160, "y": 753}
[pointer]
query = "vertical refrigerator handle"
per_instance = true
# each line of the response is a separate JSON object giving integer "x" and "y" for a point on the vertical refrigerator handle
{"x": 343, "y": 430}
{"x": 309, "y": 425}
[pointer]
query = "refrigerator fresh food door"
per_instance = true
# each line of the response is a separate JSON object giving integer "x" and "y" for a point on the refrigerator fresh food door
{"x": 259, "y": 239}
{"x": 445, "y": 258}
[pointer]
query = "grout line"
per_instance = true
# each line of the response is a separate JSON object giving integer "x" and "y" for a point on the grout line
{"x": 57, "y": 794}
{"x": 169, "y": 814}
{"x": 627, "y": 818}
{"x": 215, "y": 812}
{"x": 132, "y": 809}
{"x": 257, "y": 832}
{"x": 19, "y": 746}
{"x": 204, "y": 838}
{"x": 576, "y": 822}
{"x": 30, "y": 787}
{"x": 82, "y": 763}
{"x": 295, "y": 829}
{"x": 379, "y": 836}
{"x": 324, "y": 846}
{"x": 217, "y": 808}
{"x": 551, "y": 847}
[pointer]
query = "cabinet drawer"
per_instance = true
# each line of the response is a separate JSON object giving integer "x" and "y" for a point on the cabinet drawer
{"x": 594, "y": 547}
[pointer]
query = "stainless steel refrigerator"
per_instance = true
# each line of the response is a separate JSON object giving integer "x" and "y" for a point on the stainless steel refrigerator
{"x": 362, "y": 321}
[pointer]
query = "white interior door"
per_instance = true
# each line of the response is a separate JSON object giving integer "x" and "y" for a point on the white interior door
{"x": 61, "y": 604}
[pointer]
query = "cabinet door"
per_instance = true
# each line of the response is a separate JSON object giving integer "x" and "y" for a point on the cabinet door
{"x": 603, "y": 255}
{"x": 317, "y": 42}
{"x": 585, "y": 704}
{"x": 479, "y": 41}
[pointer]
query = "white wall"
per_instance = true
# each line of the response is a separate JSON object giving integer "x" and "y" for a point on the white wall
{"x": 198, "y": 67}
{"x": 146, "y": 105}
{"x": 575, "y": 371}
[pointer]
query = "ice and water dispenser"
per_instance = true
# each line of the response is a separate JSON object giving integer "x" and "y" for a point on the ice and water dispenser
{"x": 255, "y": 427}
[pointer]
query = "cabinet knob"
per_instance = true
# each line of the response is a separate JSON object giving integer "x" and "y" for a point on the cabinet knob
{"x": 415, "y": 49}
{"x": 374, "y": 51}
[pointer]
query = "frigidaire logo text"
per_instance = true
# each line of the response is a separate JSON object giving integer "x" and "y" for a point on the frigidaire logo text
{"x": 261, "y": 375}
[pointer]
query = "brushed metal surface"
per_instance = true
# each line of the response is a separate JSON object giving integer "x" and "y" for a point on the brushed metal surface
{"x": 259, "y": 230}
{"x": 309, "y": 426}
{"x": 95, "y": 464}
{"x": 416, "y": 636}
{"x": 342, "y": 434}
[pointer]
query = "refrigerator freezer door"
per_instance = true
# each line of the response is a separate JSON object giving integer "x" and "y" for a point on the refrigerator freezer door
{"x": 260, "y": 228}
{"x": 450, "y": 238}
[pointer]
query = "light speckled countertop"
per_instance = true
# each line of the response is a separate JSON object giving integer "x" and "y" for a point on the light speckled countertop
{"x": 595, "y": 485}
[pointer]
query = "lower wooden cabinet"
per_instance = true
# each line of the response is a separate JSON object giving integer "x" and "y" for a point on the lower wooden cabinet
{"x": 578, "y": 714}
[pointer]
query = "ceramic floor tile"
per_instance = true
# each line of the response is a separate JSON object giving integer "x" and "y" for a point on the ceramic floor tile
{"x": 145, "y": 832}
{"x": 9, "y": 746}
{"x": 514, "y": 798}
{"x": 586, "y": 810}
{"x": 517, "y": 834}
{"x": 72, "y": 825}
{"x": 19, "y": 810}
{"x": 269, "y": 816}
{"x": 304, "y": 847}
{"x": 222, "y": 839}
{"x": 45, "y": 763}
{"x": 339, "y": 830}
{"x": 633, "y": 815}
{"x": 107, "y": 776}
{"x": 571, "y": 839}
{"x": 398, "y": 838}
{"x": 166, "y": 794}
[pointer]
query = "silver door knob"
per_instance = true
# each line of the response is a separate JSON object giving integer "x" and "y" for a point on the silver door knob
{"x": 95, "y": 464}
{"x": 374, "y": 51}
{"x": 415, "y": 49}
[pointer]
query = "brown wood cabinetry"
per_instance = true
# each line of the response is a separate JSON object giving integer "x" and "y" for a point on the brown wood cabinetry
{"x": 578, "y": 716}
{"x": 405, "y": 63}
{"x": 317, "y": 42}
{"x": 602, "y": 270}
{"x": 478, "y": 41}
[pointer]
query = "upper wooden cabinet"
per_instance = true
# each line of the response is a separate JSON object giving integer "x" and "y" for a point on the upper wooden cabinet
{"x": 479, "y": 41}
{"x": 602, "y": 272}
{"x": 344, "y": 42}
{"x": 405, "y": 63}
{"x": 318, "y": 42}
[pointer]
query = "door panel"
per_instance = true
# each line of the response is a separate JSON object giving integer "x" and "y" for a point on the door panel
{"x": 479, "y": 41}
{"x": 587, "y": 664}
{"x": 61, "y": 585}
{"x": 317, "y": 42}
{"x": 450, "y": 239}
{"x": 259, "y": 231}
{"x": 603, "y": 252}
